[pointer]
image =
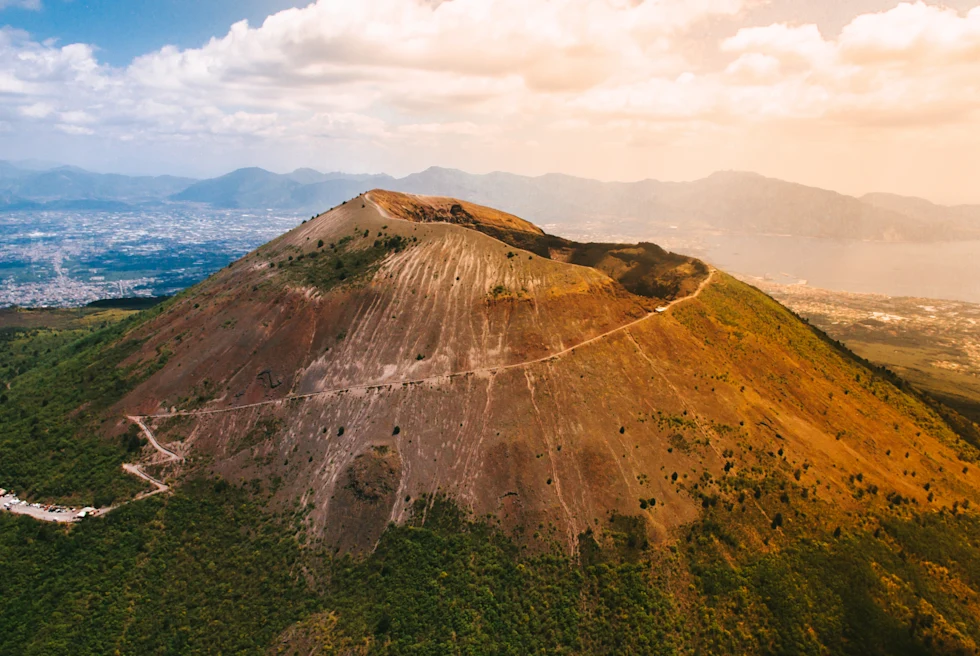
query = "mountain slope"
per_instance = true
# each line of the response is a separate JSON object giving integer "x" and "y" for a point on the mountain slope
{"x": 251, "y": 187}
{"x": 737, "y": 202}
{"x": 753, "y": 204}
{"x": 524, "y": 455}
{"x": 404, "y": 359}
{"x": 731, "y": 201}
{"x": 961, "y": 217}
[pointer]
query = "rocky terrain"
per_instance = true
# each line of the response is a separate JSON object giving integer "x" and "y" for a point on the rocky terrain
{"x": 364, "y": 361}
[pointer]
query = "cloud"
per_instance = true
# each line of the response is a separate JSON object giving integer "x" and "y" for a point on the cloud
{"x": 392, "y": 67}
{"x": 463, "y": 49}
{"x": 76, "y": 130}
{"x": 37, "y": 110}
{"x": 802, "y": 43}
{"x": 915, "y": 63}
{"x": 35, "y": 65}
{"x": 33, "y": 5}
{"x": 412, "y": 78}
{"x": 914, "y": 35}
{"x": 754, "y": 68}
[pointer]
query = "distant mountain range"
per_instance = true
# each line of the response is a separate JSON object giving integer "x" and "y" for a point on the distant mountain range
{"x": 29, "y": 185}
{"x": 731, "y": 201}
{"x": 303, "y": 189}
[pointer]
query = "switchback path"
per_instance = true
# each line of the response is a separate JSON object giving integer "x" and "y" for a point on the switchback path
{"x": 70, "y": 515}
{"x": 136, "y": 470}
{"x": 429, "y": 379}
{"x": 171, "y": 456}
{"x": 153, "y": 440}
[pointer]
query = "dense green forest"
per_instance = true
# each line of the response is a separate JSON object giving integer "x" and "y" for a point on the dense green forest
{"x": 55, "y": 388}
{"x": 207, "y": 571}
{"x": 210, "y": 569}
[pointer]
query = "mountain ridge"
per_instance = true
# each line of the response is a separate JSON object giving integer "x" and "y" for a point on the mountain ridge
{"x": 734, "y": 201}
{"x": 737, "y": 202}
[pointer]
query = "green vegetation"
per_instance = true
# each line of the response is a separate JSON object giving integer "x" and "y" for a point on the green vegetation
{"x": 455, "y": 586}
{"x": 207, "y": 570}
{"x": 57, "y": 388}
{"x": 201, "y": 571}
{"x": 905, "y": 587}
{"x": 131, "y": 303}
{"x": 343, "y": 262}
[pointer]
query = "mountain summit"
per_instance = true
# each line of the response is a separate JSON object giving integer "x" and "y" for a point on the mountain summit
{"x": 401, "y": 348}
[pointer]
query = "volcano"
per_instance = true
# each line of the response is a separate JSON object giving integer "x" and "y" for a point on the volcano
{"x": 399, "y": 349}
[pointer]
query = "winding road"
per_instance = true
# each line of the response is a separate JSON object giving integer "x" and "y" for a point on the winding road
{"x": 171, "y": 456}
{"x": 152, "y": 438}
{"x": 70, "y": 515}
{"x": 136, "y": 470}
{"x": 429, "y": 379}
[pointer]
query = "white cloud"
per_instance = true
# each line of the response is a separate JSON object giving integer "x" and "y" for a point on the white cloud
{"x": 915, "y": 35}
{"x": 34, "y": 5}
{"x": 34, "y": 65}
{"x": 37, "y": 110}
{"x": 410, "y": 54}
{"x": 754, "y": 68}
{"x": 76, "y": 130}
{"x": 379, "y": 67}
{"x": 913, "y": 63}
{"x": 802, "y": 43}
{"x": 411, "y": 78}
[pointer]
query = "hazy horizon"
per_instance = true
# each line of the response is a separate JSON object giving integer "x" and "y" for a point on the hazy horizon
{"x": 286, "y": 171}
{"x": 869, "y": 96}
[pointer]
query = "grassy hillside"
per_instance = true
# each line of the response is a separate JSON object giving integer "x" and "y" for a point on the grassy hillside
{"x": 932, "y": 343}
{"x": 199, "y": 572}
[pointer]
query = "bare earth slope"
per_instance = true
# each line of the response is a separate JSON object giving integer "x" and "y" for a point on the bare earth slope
{"x": 364, "y": 361}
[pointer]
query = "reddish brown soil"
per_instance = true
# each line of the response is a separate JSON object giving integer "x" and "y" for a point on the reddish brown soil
{"x": 551, "y": 448}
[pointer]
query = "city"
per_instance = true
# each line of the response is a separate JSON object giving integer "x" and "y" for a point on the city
{"x": 71, "y": 258}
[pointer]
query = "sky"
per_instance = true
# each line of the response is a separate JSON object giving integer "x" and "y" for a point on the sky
{"x": 856, "y": 96}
